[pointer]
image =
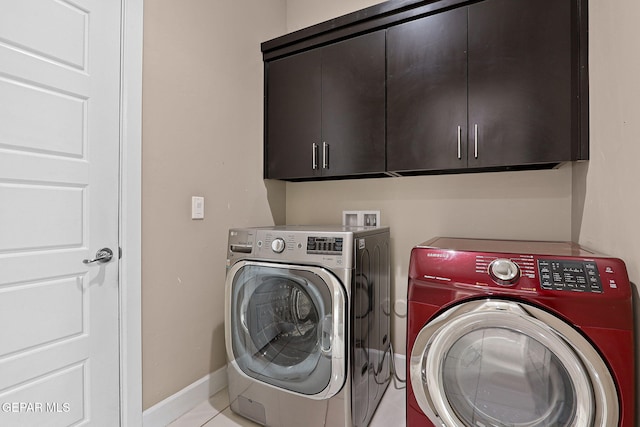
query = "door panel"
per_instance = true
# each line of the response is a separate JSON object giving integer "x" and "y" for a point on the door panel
{"x": 47, "y": 407}
{"x": 61, "y": 226}
{"x": 61, "y": 34}
{"x": 57, "y": 303}
{"x": 427, "y": 93}
{"x": 293, "y": 116}
{"x": 353, "y": 106}
{"x": 520, "y": 82}
{"x": 325, "y": 111}
{"x": 44, "y": 120}
{"x": 59, "y": 161}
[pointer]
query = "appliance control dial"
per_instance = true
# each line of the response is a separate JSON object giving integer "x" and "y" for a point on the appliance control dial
{"x": 504, "y": 271}
{"x": 278, "y": 245}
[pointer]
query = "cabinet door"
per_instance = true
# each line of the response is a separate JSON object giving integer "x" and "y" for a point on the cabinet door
{"x": 519, "y": 82}
{"x": 293, "y": 116}
{"x": 427, "y": 93}
{"x": 353, "y": 106}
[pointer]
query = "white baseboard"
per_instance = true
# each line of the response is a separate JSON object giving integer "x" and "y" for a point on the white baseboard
{"x": 171, "y": 408}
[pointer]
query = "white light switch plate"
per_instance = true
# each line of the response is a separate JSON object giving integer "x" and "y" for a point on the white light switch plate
{"x": 197, "y": 207}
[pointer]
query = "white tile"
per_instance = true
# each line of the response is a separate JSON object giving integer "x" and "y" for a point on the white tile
{"x": 228, "y": 418}
{"x": 220, "y": 400}
{"x": 204, "y": 412}
{"x": 392, "y": 410}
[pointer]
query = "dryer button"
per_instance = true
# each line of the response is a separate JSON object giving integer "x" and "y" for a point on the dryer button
{"x": 504, "y": 271}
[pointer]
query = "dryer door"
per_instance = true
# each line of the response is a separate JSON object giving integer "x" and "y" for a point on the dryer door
{"x": 502, "y": 363}
{"x": 285, "y": 326}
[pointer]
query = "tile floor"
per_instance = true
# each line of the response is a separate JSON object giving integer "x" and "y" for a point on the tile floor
{"x": 216, "y": 412}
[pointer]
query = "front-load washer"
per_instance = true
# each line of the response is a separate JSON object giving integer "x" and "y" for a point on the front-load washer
{"x": 307, "y": 324}
{"x": 512, "y": 333}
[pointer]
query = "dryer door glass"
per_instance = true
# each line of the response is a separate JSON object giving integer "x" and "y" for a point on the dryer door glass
{"x": 282, "y": 326}
{"x": 493, "y": 363}
{"x": 496, "y": 376}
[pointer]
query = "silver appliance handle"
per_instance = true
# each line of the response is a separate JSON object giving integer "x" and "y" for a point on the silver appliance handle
{"x": 459, "y": 141}
{"x": 325, "y": 155}
{"x": 326, "y": 335}
{"x": 314, "y": 156}
{"x": 475, "y": 141}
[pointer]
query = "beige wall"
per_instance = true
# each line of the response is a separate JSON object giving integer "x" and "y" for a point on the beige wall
{"x": 607, "y": 188}
{"x": 304, "y": 13}
{"x": 202, "y": 135}
{"x": 606, "y": 194}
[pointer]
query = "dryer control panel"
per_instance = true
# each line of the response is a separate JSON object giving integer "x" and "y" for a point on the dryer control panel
{"x": 561, "y": 275}
{"x": 569, "y": 275}
{"x": 513, "y": 267}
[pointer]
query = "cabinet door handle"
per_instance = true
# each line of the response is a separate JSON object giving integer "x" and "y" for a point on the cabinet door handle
{"x": 314, "y": 156}
{"x": 459, "y": 140}
{"x": 475, "y": 140}
{"x": 325, "y": 155}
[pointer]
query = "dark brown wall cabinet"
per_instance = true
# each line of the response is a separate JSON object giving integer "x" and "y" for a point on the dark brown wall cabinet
{"x": 470, "y": 86}
{"x": 487, "y": 85}
{"x": 326, "y": 111}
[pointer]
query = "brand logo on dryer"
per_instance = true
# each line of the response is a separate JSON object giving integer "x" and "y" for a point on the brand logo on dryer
{"x": 437, "y": 255}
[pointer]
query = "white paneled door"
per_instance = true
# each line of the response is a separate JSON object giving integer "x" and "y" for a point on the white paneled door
{"x": 59, "y": 195}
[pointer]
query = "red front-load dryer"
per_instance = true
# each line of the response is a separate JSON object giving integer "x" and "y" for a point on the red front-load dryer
{"x": 514, "y": 333}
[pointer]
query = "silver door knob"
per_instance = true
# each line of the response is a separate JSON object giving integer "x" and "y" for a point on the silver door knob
{"x": 102, "y": 256}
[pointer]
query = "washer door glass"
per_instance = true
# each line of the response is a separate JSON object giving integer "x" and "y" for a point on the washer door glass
{"x": 282, "y": 327}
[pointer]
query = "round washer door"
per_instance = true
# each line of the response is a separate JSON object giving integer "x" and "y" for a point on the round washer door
{"x": 502, "y": 363}
{"x": 285, "y": 326}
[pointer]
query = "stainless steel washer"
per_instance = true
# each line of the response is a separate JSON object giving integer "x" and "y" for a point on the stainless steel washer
{"x": 307, "y": 324}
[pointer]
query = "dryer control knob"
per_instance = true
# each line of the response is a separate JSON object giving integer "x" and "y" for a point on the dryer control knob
{"x": 504, "y": 271}
{"x": 278, "y": 245}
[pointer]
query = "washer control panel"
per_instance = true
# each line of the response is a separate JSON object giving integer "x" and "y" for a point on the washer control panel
{"x": 331, "y": 249}
{"x": 324, "y": 245}
{"x": 569, "y": 275}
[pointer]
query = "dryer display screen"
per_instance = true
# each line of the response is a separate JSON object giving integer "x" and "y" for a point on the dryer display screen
{"x": 559, "y": 275}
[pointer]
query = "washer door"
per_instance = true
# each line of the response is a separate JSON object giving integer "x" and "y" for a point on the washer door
{"x": 502, "y": 363}
{"x": 285, "y": 326}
